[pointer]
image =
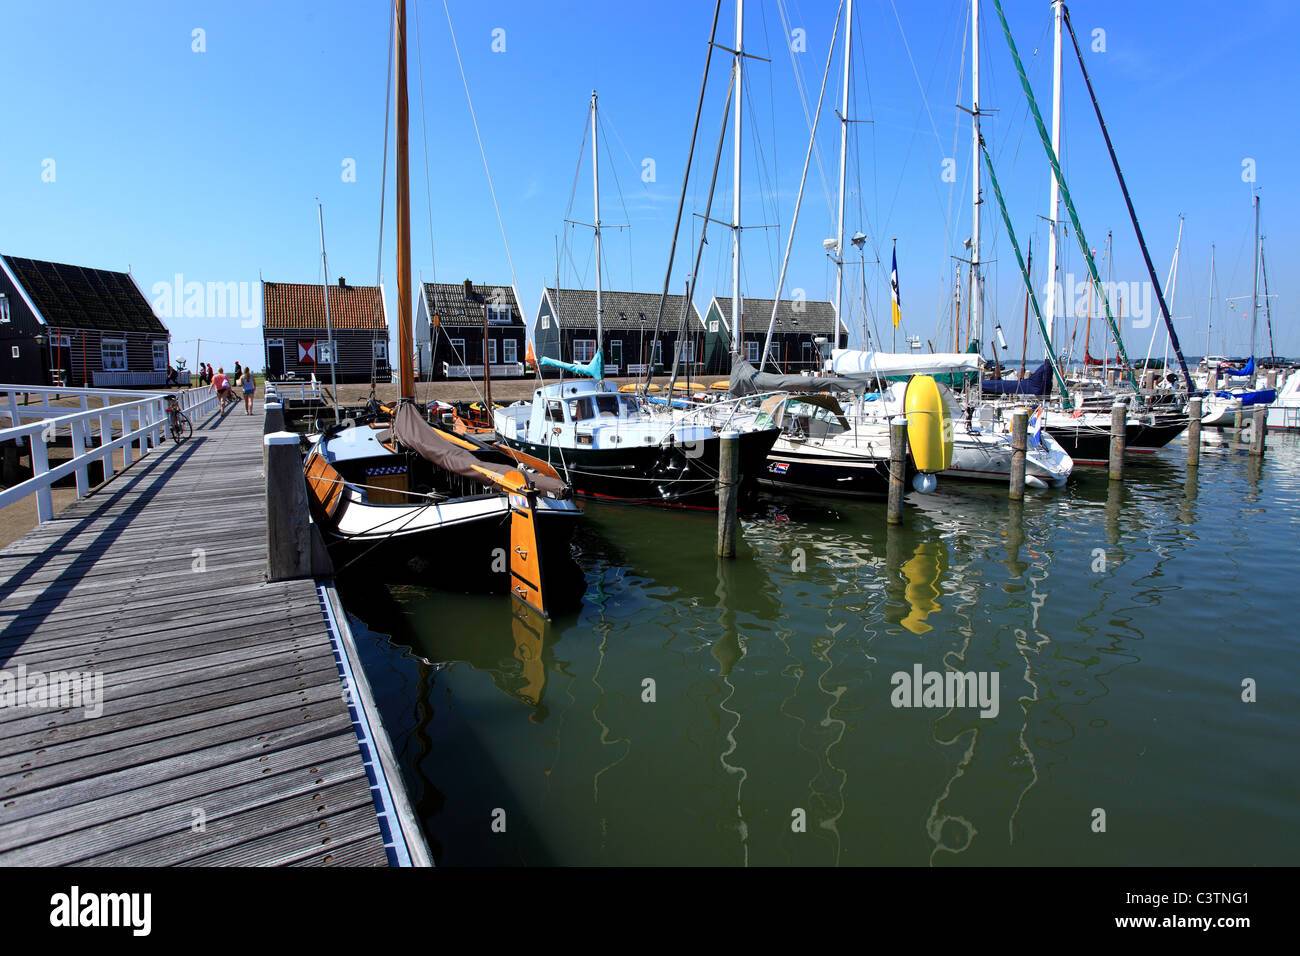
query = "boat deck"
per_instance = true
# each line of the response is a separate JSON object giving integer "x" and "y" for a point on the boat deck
{"x": 225, "y": 734}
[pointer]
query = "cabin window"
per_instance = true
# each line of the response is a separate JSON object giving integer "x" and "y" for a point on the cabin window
{"x": 113, "y": 354}
{"x": 584, "y": 350}
{"x": 751, "y": 352}
{"x": 554, "y": 411}
{"x": 581, "y": 409}
{"x": 492, "y": 351}
{"x": 509, "y": 351}
{"x": 607, "y": 406}
{"x": 159, "y": 356}
{"x": 4, "y": 309}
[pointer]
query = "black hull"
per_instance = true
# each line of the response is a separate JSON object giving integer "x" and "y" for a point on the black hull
{"x": 674, "y": 477}
{"x": 469, "y": 557}
{"x": 810, "y": 473}
{"x": 1091, "y": 446}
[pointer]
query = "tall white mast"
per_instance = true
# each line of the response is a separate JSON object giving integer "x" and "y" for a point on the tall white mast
{"x": 977, "y": 294}
{"x": 329, "y": 328}
{"x": 844, "y": 146}
{"x": 1254, "y": 294}
{"x": 1209, "y": 309}
{"x": 738, "y": 60}
{"x": 1054, "y": 206}
{"x": 595, "y": 198}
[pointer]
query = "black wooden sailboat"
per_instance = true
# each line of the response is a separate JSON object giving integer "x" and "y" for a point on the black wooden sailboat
{"x": 403, "y": 500}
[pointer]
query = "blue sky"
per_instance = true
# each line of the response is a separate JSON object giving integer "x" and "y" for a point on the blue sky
{"x": 207, "y": 164}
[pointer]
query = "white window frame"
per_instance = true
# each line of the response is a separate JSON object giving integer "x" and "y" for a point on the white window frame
{"x": 713, "y": 326}
{"x": 498, "y": 314}
{"x": 381, "y": 351}
{"x": 325, "y": 352}
{"x": 546, "y": 321}
{"x": 61, "y": 340}
{"x": 104, "y": 355}
{"x": 458, "y": 350}
{"x": 659, "y": 353}
{"x": 4, "y": 309}
{"x": 14, "y": 351}
{"x": 686, "y": 351}
{"x": 584, "y": 350}
{"x": 492, "y": 351}
{"x": 751, "y": 352}
{"x": 509, "y": 351}
{"x": 156, "y": 366}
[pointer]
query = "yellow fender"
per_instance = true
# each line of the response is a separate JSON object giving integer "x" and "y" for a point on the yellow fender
{"x": 929, "y": 428}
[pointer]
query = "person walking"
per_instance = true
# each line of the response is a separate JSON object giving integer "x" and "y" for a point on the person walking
{"x": 222, "y": 386}
{"x": 250, "y": 387}
{"x": 239, "y": 374}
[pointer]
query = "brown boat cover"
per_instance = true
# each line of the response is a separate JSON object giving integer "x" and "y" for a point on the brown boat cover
{"x": 412, "y": 431}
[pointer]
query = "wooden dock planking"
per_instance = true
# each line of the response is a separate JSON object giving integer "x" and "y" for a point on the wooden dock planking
{"x": 222, "y": 695}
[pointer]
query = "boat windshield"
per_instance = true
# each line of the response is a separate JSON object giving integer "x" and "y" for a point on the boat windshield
{"x": 811, "y": 421}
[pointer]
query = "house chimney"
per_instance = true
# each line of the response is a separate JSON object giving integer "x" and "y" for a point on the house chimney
{"x": 469, "y": 290}
{"x": 342, "y": 283}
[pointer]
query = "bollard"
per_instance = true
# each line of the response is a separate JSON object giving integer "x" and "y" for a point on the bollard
{"x": 1270, "y": 379}
{"x": 1118, "y": 436}
{"x": 274, "y": 418}
{"x": 288, "y": 538}
{"x": 897, "y": 469}
{"x": 1237, "y": 416}
{"x": 1019, "y": 439}
{"x": 1194, "y": 433}
{"x": 1110, "y": 377}
{"x": 728, "y": 492}
{"x": 1258, "y": 429}
{"x": 1213, "y": 382}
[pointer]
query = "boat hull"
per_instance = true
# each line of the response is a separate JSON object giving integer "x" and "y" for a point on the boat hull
{"x": 1089, "y": 444}
{"x": 675, "y": 476}
{"x": 794, "y": 466}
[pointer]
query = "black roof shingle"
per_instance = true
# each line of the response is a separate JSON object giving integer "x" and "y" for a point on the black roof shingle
{"x": 576, "y": 309}
{"x": 77, "y": 297}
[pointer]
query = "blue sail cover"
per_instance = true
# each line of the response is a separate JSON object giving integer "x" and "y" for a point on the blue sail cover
{"x": 1039, "y": 383}
{"x": 1247, "y": 369}
{"x": 593, "y": 369}
{"x": 1264, "y": 396}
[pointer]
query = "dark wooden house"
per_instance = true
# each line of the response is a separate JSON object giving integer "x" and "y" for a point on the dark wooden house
{"x": 799, "y": 323}
{"x": 460, "y": 326}
{"x": 296, "y": 340}
{"x": 71, "y": 325}
{"x": 565, "y": 329}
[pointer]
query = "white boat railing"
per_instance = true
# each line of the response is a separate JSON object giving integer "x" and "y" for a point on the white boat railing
{"x": 139, "y": 423}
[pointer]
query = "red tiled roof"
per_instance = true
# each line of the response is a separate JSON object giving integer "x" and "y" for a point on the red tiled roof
{"x": 294, "y": 305}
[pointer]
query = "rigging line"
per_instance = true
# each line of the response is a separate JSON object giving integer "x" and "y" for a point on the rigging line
{"x": 919, "y": 85}
{"x": 577, "y": 172}
{"x": 514, "y": 281}
{"x": 622, "y": 202}
{"x": 424, "y": 130}
{"x": 389, "y": 83}
{"x": 763, "y": 171}
{"x": 800, "y": 86}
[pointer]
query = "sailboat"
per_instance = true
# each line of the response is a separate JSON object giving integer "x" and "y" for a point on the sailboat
{"x": 609, "y": 444}
{"x": 394, "y": 495}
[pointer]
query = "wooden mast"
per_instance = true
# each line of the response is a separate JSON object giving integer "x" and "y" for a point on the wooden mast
{"x": 405, "y": 346}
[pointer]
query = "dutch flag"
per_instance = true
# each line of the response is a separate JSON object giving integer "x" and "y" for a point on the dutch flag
{"x": 1036, "y": 427}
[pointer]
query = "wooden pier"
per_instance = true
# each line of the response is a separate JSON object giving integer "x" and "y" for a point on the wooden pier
{"x": 235, "y": 724}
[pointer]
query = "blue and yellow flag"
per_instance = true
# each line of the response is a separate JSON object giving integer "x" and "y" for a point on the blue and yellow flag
{"x": 893, "y": 288}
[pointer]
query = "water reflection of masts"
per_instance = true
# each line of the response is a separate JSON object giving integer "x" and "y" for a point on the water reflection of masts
{"x": 728, "y": 650}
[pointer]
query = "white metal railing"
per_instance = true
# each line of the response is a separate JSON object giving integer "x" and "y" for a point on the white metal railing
{"x": 509, "y": 370}
{"x": 302, "y": 391}
{"x": 139, "y": 423}
{"x": 124, "y": 379}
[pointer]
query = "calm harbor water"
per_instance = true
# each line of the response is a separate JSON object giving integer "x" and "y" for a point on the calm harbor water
{"x": 1120, "y": 621}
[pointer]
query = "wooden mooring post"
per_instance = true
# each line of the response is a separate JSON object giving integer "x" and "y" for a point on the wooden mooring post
{"x": 728, "y": 492}
{"x": 1194, "y": 433}
{"x": 288, "y": 538}
{"x": 274, "y": 416}
{"x": 1118, "y": 438}
{"x": 897, "y": 469}
{"x": 1258, "y": 429}
{"x": 1019, "y": 444}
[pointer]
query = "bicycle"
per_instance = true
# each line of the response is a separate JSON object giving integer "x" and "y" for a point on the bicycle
{"x": 178, "y": 424}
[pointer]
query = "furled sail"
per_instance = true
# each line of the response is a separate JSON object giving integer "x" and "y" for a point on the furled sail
{"x": 413, "y": 432}
{"x": 868, "y": 366}
{"x": 1037, "y": 383}
{"x": 747, "y": 380}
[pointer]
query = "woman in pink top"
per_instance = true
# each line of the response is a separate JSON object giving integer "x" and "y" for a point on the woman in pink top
{"x": 222, "y": 385}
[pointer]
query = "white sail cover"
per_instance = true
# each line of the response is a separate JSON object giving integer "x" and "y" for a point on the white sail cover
{"x": 857, "y": 364}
